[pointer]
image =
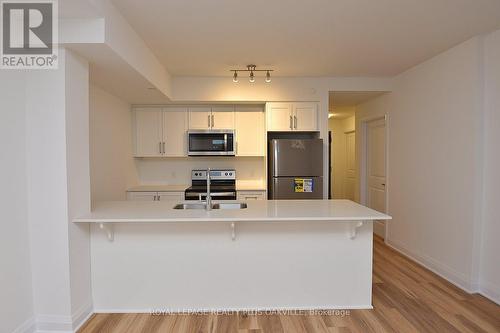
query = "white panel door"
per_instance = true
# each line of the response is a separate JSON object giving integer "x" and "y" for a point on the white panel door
{"x": 305, "y": 116}
{"x": 148, "y": 132}
{"x": 175, "y": 124}
{"x": 222, "y": 117}
{"x": 200, "y": 117}
{"x": 376, "y": 170}
{"x": 279, "y": 117}
{"x": 350, "y": 167}
{"x": 250, "y": 132}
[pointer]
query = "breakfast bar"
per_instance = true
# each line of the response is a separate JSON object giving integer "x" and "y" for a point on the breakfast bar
{"x": 276, "y": 254}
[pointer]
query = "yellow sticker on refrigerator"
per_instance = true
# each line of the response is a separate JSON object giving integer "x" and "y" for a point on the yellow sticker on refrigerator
{"x": 303, "y": 185}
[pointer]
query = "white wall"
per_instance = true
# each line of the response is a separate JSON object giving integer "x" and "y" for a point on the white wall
{"x": 58, "y": 189}
{"x": 16, "y": 301}
{"x": 113, "y": 168}
{"x": 434, "y": 178}
{"x": 339, "y": 158}
{"x": 78, "y": 171}
{"x": 490, "y": 266}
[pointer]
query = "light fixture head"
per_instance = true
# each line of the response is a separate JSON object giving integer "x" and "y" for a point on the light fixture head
{"x": 268, "y": 77}
{"x": 252, "y": 69}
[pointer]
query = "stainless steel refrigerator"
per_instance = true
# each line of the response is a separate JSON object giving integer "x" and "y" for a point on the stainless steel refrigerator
{"x": 296, "y": 169}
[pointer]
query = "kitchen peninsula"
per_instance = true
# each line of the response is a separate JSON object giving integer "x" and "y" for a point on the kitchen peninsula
{"x": 276, "y": 254}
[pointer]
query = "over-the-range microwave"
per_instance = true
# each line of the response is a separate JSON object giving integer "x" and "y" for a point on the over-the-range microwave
{"x": 211, "y": 143}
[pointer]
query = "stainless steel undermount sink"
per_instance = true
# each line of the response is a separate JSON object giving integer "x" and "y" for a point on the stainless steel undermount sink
{"x": 230, "y": 205}
{"x": 225, "y": 205}
{"x": 191, "y": 206}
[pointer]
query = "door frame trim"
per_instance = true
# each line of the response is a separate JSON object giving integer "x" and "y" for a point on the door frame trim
{"x": 364, "y": 162}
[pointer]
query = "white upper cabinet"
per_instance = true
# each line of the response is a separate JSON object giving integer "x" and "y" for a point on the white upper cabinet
{"x": 160, "y": 132}
{"x": 148, "y": 132}
{"x": 200, "y": 118}
{"x": 175, "y": 123}
{"x": 286, "y": 117}
{"x": 279, "y": 116}
{"x": 222, "y": 117}
{"x": 305, "y": 116}
{"x": 211, "y": 118}
{"x": 250, "y": 131}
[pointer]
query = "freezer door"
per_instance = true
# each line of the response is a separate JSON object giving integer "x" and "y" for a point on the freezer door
{"x": 286, "y": 188}
{"x": 290, "y": 157}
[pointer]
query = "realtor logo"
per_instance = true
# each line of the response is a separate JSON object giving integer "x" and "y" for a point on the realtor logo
{"x": 29, "y": 34}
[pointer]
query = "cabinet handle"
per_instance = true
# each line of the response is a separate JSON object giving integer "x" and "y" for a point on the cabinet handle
{"x": 291, "y": 123}
{"x": 163, "y": 147}
{"x": 295, "y": 122}
{"x": 213, "y": 122}
{"x": 158, "y": 197}
{"x": 253, "y": 198}
{"x": 209, "y": 121}
{"x": 159, "y": 147}
{"x": 154, "y": 198}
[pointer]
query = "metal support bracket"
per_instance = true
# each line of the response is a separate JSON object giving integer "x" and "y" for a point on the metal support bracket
{"x": 353, "y": 228}
{"x": 233, "y": 231}
{"x": 108, "y": 228}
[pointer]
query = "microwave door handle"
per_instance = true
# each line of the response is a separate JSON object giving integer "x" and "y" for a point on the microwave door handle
{"x": 225, "y": 142}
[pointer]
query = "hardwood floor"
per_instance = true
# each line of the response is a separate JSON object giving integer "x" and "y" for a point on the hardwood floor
{"x": 406, "y": 298}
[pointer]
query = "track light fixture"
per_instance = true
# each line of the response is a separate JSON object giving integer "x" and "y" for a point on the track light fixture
{"x": 252, "y": 69}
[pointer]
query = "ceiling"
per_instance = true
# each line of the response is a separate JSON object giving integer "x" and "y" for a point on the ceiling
{"x": 305, "y": 38}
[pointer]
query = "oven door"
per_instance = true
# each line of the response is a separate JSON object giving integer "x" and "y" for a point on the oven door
{"x": 211, "y": 143}
{"x": 202, "y": 196}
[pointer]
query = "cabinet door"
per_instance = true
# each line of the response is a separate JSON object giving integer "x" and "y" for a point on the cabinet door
{"x": 279, "y": 117}
{"x": 148, "y": 132}
{"x": 251, "y": 195}
{"x": 222, "y": 117}
{"x": 171, "y": 196}
{"x": 305, "y": 116}
{"x": 250, "y": 131}
{"x": 199, "y": 117}
{"x": 141, "y": 196}
{"x": 175, "y": 124}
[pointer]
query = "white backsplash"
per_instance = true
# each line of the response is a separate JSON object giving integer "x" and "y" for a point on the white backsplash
{"x": 177, "y": 171}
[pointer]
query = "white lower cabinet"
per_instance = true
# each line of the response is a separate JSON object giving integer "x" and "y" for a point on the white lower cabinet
{"x": 171, "y": 196}
{"x": 251, "y": 195}
{"x": 155, "y": 196}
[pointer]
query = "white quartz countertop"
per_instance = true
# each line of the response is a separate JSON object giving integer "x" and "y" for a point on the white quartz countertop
{"x": 258, "y": 210}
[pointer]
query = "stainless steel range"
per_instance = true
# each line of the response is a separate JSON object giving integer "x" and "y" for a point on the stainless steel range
{"x": 222, "y": 185}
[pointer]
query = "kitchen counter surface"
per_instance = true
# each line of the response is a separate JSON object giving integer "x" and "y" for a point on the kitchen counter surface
{"x": 158, "y": 188}
{"x": 259, "y": 210}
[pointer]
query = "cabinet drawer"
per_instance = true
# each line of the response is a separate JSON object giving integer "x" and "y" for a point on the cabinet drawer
{"x": 251, "y": 195}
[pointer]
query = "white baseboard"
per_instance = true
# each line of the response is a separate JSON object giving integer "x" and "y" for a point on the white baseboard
{"x": 51, "y": 323}
{"x": 80, "y": 316}
{"x": 243, "y": 309}
{"x": 489, "y": 290}
{"x": 64, "y": 324}
{"x": 443, "y": 270}
{"x": 29, "y": 326}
